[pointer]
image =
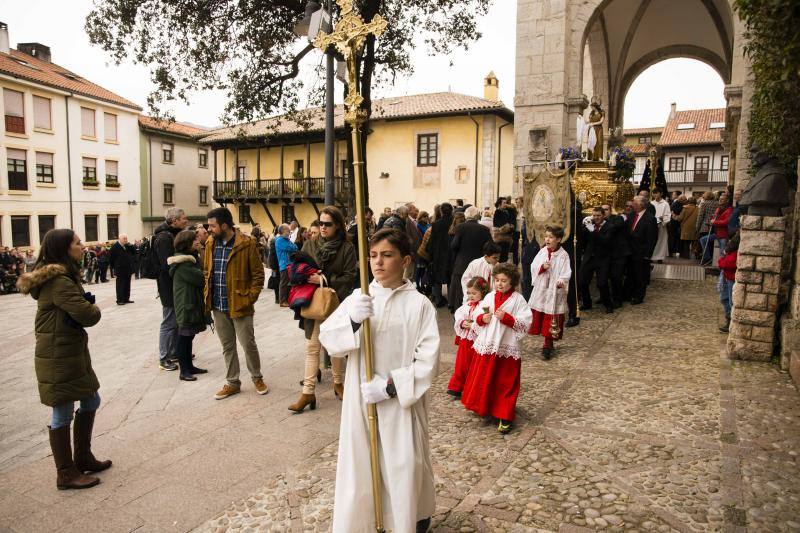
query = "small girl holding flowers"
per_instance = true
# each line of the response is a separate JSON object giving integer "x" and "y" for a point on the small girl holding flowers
{"x": 477, "y": 287}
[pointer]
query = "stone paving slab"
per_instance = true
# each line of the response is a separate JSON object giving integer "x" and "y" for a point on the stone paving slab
{"x": 638, "y": 424}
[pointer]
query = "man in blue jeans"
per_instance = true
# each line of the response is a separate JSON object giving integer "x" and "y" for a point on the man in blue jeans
{"x": 175, "y": 221}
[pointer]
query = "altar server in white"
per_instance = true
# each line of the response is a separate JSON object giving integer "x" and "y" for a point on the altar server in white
{"x": 406, "y": 355}
{"x": 481, "y": 267}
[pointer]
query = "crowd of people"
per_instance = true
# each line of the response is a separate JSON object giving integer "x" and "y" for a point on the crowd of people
{"x": 479, "y": 263}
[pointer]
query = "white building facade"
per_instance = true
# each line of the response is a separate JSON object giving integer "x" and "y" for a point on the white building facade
{"x": 71, "y": 151}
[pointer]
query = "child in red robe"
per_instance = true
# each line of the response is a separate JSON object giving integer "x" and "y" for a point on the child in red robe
{"x": 492, "y": 384}
{"x": 550, "y": 274}
{"x": 465, "y": 334}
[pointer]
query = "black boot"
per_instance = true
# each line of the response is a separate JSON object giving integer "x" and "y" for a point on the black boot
{"x": 185, "y": 362}
{"x": 423, "y": 525}
{"x": 85, "y": 461}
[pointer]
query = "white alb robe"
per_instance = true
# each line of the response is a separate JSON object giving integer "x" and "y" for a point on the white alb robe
{"x": 545, "y": 298}
{"x": 463, "y": 313}
{"x": 663, "y": 215}
{"x": 496, "y": 338}
{"x": 405, "y": 338}
{"x": 480, "y": 268}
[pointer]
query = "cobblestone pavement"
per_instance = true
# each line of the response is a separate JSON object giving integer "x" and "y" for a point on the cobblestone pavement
{"x": 639, "y": 423}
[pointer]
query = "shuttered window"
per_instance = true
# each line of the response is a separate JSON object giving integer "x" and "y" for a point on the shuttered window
{"x": 41, "y": 113}
{"x": 87, "y": 122}
{"x": 44, "y": 167}
{"x": 14, "y": 111}
{"x": 110, "y": 126}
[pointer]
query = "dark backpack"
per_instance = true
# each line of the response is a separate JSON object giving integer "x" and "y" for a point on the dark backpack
{"x": 151, "y": 267}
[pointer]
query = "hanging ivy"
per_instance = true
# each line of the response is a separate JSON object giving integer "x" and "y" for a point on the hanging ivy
{"x": 773, "y": 46}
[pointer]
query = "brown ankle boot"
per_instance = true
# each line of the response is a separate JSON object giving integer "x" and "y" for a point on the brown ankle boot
{"x": 338, "y": 390}
{"x": 85, "y": 461}
{"x": 69, "y": 477}
{"x": 300, "y": 404}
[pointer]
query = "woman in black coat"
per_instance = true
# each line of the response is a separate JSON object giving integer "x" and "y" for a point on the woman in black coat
{"x": 467, "y": 246}
{"x": 504, "y": 222}
{"x": 441, "y": 268}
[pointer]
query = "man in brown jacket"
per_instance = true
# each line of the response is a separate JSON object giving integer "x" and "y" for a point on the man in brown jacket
{"x": 234, "y": 279}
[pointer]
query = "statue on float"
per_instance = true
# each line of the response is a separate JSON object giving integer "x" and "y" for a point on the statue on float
{"x": 590, "y": 132}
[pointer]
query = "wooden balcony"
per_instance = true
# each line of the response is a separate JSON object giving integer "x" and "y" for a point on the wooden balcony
{"x": 278, "y": 189}
{"x": 698, "y": 178}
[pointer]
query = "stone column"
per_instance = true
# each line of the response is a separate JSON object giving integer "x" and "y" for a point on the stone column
{"x": 488, "y": 160}
{"x": 758, "y": 284}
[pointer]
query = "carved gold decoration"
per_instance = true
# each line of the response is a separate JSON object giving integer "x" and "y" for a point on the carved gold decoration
{"x": 593, "y": 186}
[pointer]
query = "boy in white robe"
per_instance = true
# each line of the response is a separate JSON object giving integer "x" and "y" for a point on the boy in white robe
{"x": 550, "y": 272}
{"x": 481, "y": 268}
{"x": 406, "y": 355}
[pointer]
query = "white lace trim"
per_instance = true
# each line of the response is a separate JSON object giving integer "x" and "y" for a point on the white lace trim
{"x": 498, "y": 349}
{"x": 468, "y": 334}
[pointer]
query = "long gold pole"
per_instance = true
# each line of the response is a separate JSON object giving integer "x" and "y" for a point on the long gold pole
{"x": 372, "y": 412}
{"x": 348, "y": 37}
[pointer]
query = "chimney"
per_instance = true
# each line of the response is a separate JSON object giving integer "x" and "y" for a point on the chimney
{"x": 673, "y": 109}
{"x": 5, "y": 46}
{"x": 37, "y": 50}
{"x": 491, "y": 87}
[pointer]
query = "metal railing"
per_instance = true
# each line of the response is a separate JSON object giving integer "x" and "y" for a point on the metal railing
{"x": 277, "y": 188}
{"x": 688, "y": 177}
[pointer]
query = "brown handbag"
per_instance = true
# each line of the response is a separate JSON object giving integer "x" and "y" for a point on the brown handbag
{"x": 323, "y": 303}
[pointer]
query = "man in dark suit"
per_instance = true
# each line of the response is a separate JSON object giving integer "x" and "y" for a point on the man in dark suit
{"x": 439, "y": 252}
{"x": 467, "y": 245}
{"x": 121, "y": 259}
{"x": 643, "y": 231}
{"x": 595, "y": 261}
{"x": 614, "y": 236}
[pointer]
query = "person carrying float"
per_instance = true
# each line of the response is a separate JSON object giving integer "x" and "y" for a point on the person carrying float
{"x": 406, "y": 355}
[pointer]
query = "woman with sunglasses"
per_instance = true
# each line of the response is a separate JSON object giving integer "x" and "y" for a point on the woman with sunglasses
{"x": 336, "y": 257}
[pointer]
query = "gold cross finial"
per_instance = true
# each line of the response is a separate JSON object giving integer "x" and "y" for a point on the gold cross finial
{"x": 348, "y": 37}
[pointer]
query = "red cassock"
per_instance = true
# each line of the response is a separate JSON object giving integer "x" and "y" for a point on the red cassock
{"x": 493, "y": 382}
{"x": 464, "y": 339}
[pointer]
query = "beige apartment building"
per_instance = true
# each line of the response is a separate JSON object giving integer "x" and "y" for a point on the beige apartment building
{"x": 71, "y": 150}
{"x": 176, "y": 170}
{"x": 426, "y": 149}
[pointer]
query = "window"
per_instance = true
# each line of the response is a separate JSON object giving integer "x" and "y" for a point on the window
{"x": 17, "y": 170}
{"x": 112, "y": 221}
{"x": 203, "y": 195}
{"x": 299, "y": 168}
{"x": 90, "y": 226}
{"x": 15, "y": 111}
{"x": 723, "y": 162}
{"x": 241, "y": 170}
{"x": 202, "y": 158}
{"x": 41, "y": 113}
{"x": 686, "y": 126}
{"x": 701, "y": 164}
{"x": 110, "y": 126}
{"x": 168, "y": 152}
{"x": 646, "y": 140}
{"x": 112, "y": 178}
{"x": 44, "y": 167}
{"x": 676, "y": 164}
{"x": 427, "y": 150}
{"x": 87, "y": 123}
{"x": 89, "y": 171}
{"x": 20, "y": 231}
{"x": 244, "y": 214}
{"x": 716, "y": 125}
{"x": 287, "y": 214}
{"x": 345, "y": 170}
{"x": 46, "y": 223}
{"x": 168, "y": 190}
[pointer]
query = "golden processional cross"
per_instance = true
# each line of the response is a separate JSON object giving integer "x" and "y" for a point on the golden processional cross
{"x": 348, "y": 38}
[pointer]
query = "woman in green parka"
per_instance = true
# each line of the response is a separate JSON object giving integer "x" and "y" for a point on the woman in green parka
{"x": 187, "y": 294}
{"x": 62, "y": 361}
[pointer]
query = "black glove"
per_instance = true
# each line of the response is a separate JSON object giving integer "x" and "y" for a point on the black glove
{"x": 89, "y": 297}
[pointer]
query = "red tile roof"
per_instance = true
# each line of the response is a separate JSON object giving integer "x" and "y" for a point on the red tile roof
{"x": 642, "y": 131}
{"x": 637, "y": 149}
{"x": 175, "y": 128}
{"x": 394, "y": 108}
{"x": 23, "y": 66}
{"x": 700, "y": 134}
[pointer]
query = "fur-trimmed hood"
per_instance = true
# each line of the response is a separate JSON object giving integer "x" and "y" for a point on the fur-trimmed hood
{"x": 180, "y": 258}
{"x": 31, "y": 282}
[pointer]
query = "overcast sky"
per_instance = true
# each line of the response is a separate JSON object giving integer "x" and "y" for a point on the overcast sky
{"x": 59, "y": 24}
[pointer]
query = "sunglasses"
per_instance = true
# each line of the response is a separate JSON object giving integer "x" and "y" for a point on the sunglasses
{"x": 326, "y": 224}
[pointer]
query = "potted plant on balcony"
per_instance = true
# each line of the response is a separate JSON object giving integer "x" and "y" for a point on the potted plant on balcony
{"x": 112, "y": 183}
{"x": 90, "y": 182}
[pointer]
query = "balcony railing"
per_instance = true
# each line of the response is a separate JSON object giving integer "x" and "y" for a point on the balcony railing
{"x": 691, "y": 177}
{"x": 278, "y": 189}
